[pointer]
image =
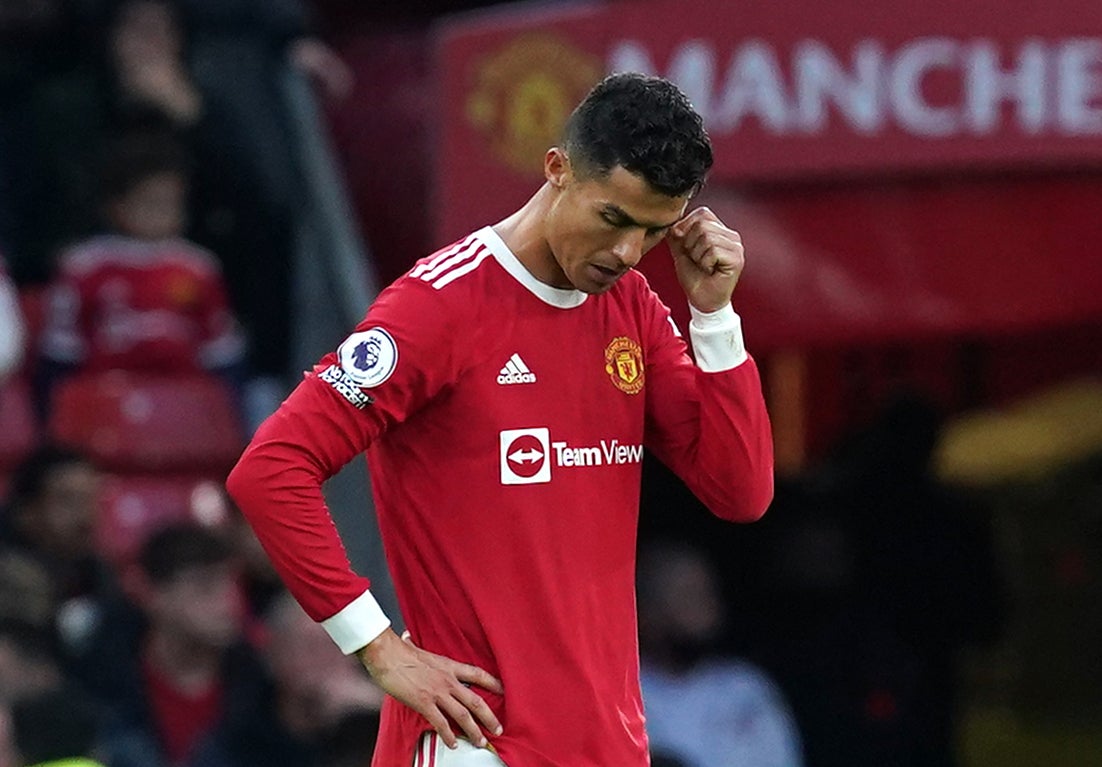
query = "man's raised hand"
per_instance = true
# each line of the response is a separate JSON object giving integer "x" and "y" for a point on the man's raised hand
{"x": 708, "y": 257}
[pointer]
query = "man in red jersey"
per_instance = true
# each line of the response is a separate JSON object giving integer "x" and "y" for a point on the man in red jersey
{"x": 503, "y": 390}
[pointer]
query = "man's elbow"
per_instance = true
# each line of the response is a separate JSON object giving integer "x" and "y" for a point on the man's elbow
{"x": 758, "y": 501}
{"x": 747, "y": 503}
{"x": 242, "y": 481}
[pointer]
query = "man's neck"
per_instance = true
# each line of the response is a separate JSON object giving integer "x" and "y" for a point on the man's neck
{"x": 523, "y": 233}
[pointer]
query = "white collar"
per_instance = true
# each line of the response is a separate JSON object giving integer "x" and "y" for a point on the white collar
{"x": 563, "y": 298}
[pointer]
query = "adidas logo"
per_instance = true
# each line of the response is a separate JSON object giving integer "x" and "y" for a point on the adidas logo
{"x": 515, "y": 372}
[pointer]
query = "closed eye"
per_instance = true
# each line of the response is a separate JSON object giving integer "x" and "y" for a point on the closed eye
{"x": 616, "y": 218}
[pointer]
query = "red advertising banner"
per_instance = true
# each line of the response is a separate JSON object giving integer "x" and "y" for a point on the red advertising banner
{"x": 897, "y": 169}
{"x": 789, "y": 90}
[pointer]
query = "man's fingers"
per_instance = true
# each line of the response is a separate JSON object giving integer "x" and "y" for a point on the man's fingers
{"x": 436, "y": 719}
{"x": 691, "y": 239}
{"x": 434, "y": 686}
{"x": 706, "y": 233}
{"x": 683, "y": 228}
{"x": 693, "y": 218}
{"x": 460, "y": 712}
{"x": 465, "y": 672}
{"x": 480, "y": 709}
{"x": 706, "y": 259}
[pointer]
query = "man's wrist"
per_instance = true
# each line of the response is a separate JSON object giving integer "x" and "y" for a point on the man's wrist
{"x": 357, "y": 624}
{"x": 724, "y": 315}
{"x": 717, "y": 339}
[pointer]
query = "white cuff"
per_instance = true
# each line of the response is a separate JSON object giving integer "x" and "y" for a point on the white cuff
{"x": 717, "y": 339}
{"x": 360, "y": 622}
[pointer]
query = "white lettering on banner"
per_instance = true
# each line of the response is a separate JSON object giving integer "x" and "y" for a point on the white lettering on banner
{"x": 1079, "y": 78}
{"x": 987, "y": 87}
{"x": 754, "y": 85}
{"x": 821, "y": 79}
{"x": 1048, "y": 87}
{"x": 913, "y": 62}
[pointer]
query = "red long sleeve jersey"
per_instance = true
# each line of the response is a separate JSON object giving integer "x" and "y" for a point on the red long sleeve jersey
{"x": 118, "y": 302}
{"x": 504, "y": 423}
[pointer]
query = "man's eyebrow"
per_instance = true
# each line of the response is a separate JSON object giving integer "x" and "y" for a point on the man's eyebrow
{"x": 626, "y": 220}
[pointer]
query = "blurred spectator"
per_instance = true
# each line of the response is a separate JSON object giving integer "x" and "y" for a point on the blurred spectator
{"x": 316, "y": 682}
{"x": 309, "y": 688}
{"x": 7, "y": 739}
{"x": 255, "y": 159}
{"x": 132, "y": 74}
{"x": 261, "y": 582}
{"x": 167, "y": 63}
{"x": 887, "y": 576}
{"x": 56, "y": 728}
{"x": 703, "y": 708}
{"x": 33, "y": 45}
{"x": 925, "y": 566}
{"x": 169, "y": 677}
{"x": 29, "y": 667}
{"x": 274, "y": 32}
{"x": 350, "y": 742}
{"x": 12, "y": 328}
{"x": 28, "y": 664}
{"x": 26, "y": 589}
{"x": 146, "y": 44}
{"x": 141, "y": 297}
{"x": 51, "y": 517}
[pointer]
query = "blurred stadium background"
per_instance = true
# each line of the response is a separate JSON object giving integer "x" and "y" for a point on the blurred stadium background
{"x": 919, "y": 186}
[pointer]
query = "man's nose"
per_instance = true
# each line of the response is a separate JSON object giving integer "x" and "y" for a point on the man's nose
{"x": 629, "y": 248}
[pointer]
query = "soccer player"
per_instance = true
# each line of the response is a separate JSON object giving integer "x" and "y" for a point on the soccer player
{"x": 503, "y": 390}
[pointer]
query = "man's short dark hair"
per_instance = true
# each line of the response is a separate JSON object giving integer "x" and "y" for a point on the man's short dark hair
{"x": 179, "y": 547}
{"x": 647, "y": 126}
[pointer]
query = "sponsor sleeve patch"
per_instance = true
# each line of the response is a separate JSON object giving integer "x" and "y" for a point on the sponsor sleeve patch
{"x": 343, "y": 384}
{"x": 369, "y": 357}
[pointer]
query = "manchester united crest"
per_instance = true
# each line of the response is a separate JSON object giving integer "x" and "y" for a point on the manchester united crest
{"x": 624, "y": 364}
{"x": 522, "y": 94}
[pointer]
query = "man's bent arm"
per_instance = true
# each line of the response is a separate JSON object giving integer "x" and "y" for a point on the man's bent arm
{"x": 277, "y": 485}
{"x": 707, "y": 421}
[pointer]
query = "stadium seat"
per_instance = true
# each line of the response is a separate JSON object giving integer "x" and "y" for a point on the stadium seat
{"x": 19, "y": 432}
{"x": 134, "y": 506}
{"x": 131, "y": 422}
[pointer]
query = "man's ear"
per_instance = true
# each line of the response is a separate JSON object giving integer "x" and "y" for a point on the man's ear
{"x": 556, "y": 167}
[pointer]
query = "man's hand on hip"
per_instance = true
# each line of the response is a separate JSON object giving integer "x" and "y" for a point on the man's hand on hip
{"x": 433, "y": 686}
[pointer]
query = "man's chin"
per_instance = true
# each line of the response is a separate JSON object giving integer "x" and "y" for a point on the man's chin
{"x": 592, "y": 289}
{"x": 594, "y": 280}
